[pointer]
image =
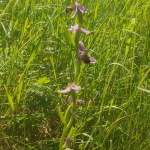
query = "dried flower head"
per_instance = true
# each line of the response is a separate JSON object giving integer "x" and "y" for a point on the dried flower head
{"x": 68, "y": 142}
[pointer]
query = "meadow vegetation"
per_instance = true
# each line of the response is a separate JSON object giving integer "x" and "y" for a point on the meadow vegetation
{"x": 36, "y": 61}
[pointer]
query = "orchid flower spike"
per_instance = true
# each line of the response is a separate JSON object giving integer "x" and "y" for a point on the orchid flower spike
{"x": 87, "y": 59}
{"x": 74, "y": 28}
{"x": 71, "y": 87}
{"x": 76, "y": 7}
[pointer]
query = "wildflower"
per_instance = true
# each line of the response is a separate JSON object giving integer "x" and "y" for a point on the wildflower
{"x": 70, "y": 8}
{"x": 84, "y": 56}
{"x": 68, "y": 142}
{"x": 78, "y": 101}
{"x": 76, "y": 7}
{"x": 70, "y": 100}
{"x": 71, "y": 87}
{"x": 72, "y": 112}
{"x": 74, "y": 28}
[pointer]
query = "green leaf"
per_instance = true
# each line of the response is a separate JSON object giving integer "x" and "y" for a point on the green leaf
{"x": 9, "y": 98}
{"x": 19, "y": 88}
{"x": 143, "y": 89}
{"x": 71, "y": 39}
{"x": 43, "y": 80}
{"x": 71, "y": 132}
{"x": 85, "y": 134}
{"x": 61, "y": 114}
{"x": 94, "y": 141}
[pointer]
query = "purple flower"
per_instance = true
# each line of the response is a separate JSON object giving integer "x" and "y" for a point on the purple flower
{"x": 72, "y": 112}
{"x": 84, "y": 56}
{"x": 71, "y": 87}
{"x": 78, "y": 101}
{"x": 74, "y": 28}
{"x": 70, "y": 100}
{"x": 78, "y": 7}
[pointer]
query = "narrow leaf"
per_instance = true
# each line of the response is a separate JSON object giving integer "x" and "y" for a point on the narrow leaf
{"x": 61, "y": 115}
{"x": 19, "y": 88}
{"x": 9, "y": 98}
{"x": 143, "y": 89}
{"x": 43, "y": 80}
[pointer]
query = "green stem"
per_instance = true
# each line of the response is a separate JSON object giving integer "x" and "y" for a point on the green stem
{"x": 66, "y": 128}
{"x": 77, "y": 71}
{"x": 62, "y": 138}
{"x": 70, "y": 122}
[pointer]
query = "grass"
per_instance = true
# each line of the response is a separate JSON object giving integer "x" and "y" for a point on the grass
{"x": 36, "y": 61}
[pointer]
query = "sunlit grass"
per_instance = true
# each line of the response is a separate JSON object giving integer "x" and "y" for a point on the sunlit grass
{"x": 36, "y": 61}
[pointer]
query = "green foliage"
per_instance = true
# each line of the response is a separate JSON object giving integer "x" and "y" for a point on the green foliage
{"x": 36, "y": 61}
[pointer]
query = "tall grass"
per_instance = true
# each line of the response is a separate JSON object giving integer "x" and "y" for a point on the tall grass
{"x": 36, "y": 61}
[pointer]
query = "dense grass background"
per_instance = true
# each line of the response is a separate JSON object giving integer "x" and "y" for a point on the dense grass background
{"x": 36, "y": 61}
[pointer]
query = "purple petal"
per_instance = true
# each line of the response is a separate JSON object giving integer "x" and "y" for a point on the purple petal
{"x": 72, "y": 112}
{"x": 81, "y": 47}
{"x": 92, "y": 60}
{"x": 68, "y": 89}
{"x": 70, "y": 100}
{"x": 68, "y": 142}
{"x": 75, "y": 11}
{"x": 87, "y": 59}
{"x": 84, "y": 31}
{"x": 65, "y": 91}
{"x": 79, "y": 101}
{"x": 79, "y": 58}
{"x": 75, "y": 87}
{"x": 73, "y": 28}
{"x": 82, "y": 9}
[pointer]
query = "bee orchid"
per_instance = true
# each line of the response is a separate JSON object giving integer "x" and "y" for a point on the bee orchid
{"x": 74, "y": 28}
{"x": 71, "y": 87}
{"x": 78, "y": 101}
{"x": 87, "y": 59}
{"x": 76, "y": 7}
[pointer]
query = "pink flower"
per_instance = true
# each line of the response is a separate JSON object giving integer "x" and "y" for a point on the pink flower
{"x": 71, "y": 87}
{"x": 84, "y": 56}
{"x": 78, "y": 101}
{"x": 72, "y": 112}
{"x": 74, "y": 28}
{"x": 77, "y": 8}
